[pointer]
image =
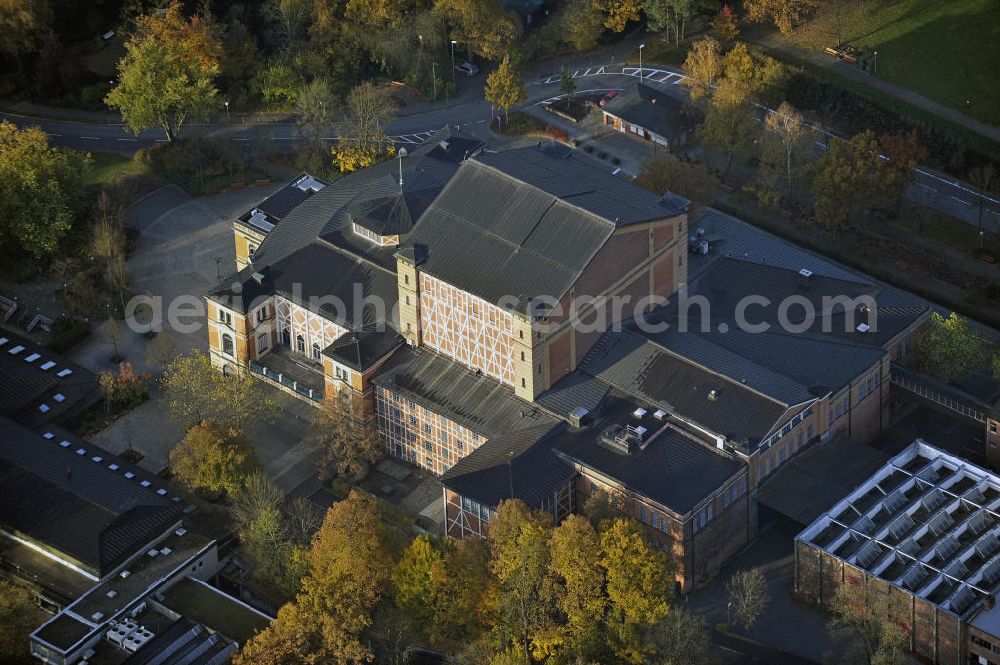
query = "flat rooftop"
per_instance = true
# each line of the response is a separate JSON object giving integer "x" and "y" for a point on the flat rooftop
{"x": 92, "y": 611}
{"x": 927, "y": 522}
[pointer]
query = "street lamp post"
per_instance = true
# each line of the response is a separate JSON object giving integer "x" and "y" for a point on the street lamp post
{"x": 434, "y": 79}
{"x": 729, "y": 614}
{"x": 875, "y": 63}
{"x": 402, "y": 153}
{"x": 641, "y": 46}
{"x": 228, "y": 118}
{"x": 453, "y": 42}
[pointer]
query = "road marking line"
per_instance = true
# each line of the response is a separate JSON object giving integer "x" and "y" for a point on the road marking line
{"x": 92, "y": 138}
{"x": 133, "y": 140}
{"x": 961, "y": 200}
{"x": 666, "y": 78}
{"x": 587, "y": 73}
{"x": 576, "y": 73}
{"x": 55, "y": 134}
{"x": 927, "y": 187}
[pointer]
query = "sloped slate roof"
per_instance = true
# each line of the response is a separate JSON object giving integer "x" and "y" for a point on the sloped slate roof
{"x": 647, "y": 107}
{"x": 387, "y": 210}
{"x": 75, "y": 504}
{"x": 325, "y": 214}
{"x": 319, "y": 272}
{"x": 519, "y": 464}
{"x": 360, "y": 350}
{"x": 456, "y": 392}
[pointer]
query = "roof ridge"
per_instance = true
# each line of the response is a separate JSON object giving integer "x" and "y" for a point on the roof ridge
{"x": 709, "y": 370}
{"x": 605, "y": 220}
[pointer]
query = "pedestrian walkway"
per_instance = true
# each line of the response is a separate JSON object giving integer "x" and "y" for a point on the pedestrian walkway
{"x": 773, "y": 42}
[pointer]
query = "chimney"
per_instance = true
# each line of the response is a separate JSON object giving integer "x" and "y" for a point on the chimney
{"x": 259, "y": 278}
{"x": 805, "y": 278}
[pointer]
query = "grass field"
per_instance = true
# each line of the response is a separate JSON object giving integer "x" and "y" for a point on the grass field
{"x": 946, "y": 50}
{"x": 107, "y": 165}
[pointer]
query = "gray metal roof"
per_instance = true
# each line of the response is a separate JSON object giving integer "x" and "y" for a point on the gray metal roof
{"x": 458, "y": 393}
{"x": 673, "y": 468}
{"x": 75, "y": 502}
{"x": 519, "y": 464}
{"x": 322, "y": 278}
{"x": 649, "y": 108}
{"x": 647, "y": 371}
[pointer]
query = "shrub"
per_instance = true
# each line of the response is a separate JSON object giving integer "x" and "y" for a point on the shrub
{"x": 67, "y": 332}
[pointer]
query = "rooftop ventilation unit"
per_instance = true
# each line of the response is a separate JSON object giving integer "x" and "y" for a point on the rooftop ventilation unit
{"x": 640, "y": 412}
{"x": 863, "y": 328}
{"x": 623, "y": 439}
{"x": 713, "y": 394}
{"x": 111, "y": 593}
{"x": 97, "y": 616}
{"x": 577, "y": 416}
{"x": 660, "y": 414}
{"x": 180, "y": 531}
{"x": 124, "y": 574}
{"x": 258, "y": 277}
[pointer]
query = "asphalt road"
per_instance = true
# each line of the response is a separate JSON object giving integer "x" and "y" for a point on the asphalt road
{"x": 103, "y": 132}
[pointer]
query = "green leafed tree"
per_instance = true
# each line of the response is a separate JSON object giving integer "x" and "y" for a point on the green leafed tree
{"x": 949, "y": 349}
{"x": 19, "y": 615}
{"x": 413, "y": 580}
{"x": 505, "y": 88}
{"x": 843, "y": 180}
{"x": 874, "y": 621}
{"x": 484, "y": 26}
{"x": 168, "y": 72}
{"x": 41, "y": 187}
{"x": 575, "y": 547}
{"x": 581, "y": 25}
{"x": 639, "y": 583}
{"x": 214, "y": 458}
{"x": 195, "y": 390}
{"x": 519, "y": 546}
{"x": 669, "y": 15}
{"x": 669, "y": 174}
{"x": 784, "y": 14}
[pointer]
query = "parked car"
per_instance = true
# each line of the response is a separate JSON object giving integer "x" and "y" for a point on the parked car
{"x": 467, "y": 68}
{"x": 608, "y": 97}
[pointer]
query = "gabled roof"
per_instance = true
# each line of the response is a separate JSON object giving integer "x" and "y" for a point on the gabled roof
{"x": 74, "y": 502}
{"x": 519, "y": 464}
{"x": 647, "y": 107}
{"x": 326, "y": 214}
{"x": 322, "y": 278}
{"x": 271, "y": 211}
{"x": 523, "y": 223}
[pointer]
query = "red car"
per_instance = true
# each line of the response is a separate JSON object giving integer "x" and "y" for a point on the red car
{"x": 608, "y": 97}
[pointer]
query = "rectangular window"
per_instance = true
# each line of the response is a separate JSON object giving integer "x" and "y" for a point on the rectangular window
{"x": 642, "y": 513}
{"x": 809, "y": 432}
{"x": 711, "y": 512}
{"x": 862, "y": 392}
{"x": 829, "y": 418}
{"x": 836, "y": 411}
{"x": 781, "y": 455}
{"x": 261, "y": 314}
{"x": 844, "y": 409}
{"x": 261, "y": 342}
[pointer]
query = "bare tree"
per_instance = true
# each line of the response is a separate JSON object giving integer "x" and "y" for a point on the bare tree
{"x": 787, "y": 125}
{"x": 161, "y": 349}
{"x": 749, "y": 595}
{"x": 348, "y": 441}
{"x": 874, "y": 618}
{"x": 257, "y": 495}
{"x": 114, "y": 332}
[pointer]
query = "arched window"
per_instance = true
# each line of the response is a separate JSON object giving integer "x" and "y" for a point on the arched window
{"x": 315, "y": 351}
{"x": 300, "y": 344}
{"x": 227, "y": 344}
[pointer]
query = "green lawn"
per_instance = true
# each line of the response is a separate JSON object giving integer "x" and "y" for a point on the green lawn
{"x": 107, "y": 165}
{"x": 215, "y": 610}
{"x": 946, "y": 50}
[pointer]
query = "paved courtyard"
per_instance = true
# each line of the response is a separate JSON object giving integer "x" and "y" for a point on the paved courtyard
{"x": 184, "y": 244}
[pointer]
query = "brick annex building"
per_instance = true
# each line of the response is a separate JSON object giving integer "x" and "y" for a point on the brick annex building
{"x": 422, "y": 299}
{"x": 925, "y": 527}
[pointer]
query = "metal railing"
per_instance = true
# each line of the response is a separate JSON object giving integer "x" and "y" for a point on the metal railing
{"x": 285, "y": 381}
{"x": 938, "y": 392}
